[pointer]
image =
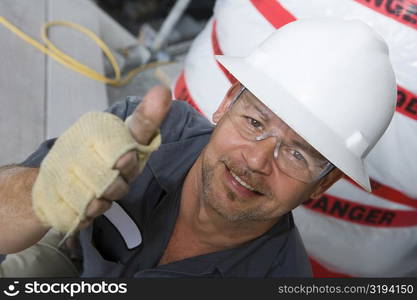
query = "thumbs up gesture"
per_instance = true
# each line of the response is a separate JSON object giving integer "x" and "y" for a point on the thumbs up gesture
{"x": 143, "y": 124}
{"x": 92, "y": 163}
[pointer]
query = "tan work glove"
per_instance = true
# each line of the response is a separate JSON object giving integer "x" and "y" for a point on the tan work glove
{"x": 91, "y": 163}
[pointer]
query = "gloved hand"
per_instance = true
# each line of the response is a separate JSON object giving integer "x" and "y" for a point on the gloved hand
{"x": 91, "y": 163}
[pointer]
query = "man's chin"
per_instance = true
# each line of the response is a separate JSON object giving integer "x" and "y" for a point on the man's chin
{"x": 230, "y": 213}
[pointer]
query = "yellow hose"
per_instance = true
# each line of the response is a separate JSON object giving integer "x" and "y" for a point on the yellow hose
{"x": 51, "y": 50}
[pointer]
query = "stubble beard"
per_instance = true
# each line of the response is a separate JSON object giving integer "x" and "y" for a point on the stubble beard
{"x": 207, "y": 197}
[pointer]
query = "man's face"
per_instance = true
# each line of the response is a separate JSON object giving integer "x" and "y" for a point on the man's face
{"x": 241, "y": 180}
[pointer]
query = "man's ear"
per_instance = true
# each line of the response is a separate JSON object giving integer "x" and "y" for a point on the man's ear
{"x": 224, "y": 105}
{"x": 326, "y": 183}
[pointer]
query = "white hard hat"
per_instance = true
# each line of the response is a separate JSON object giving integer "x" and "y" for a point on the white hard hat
{"x": 331, "y": 81}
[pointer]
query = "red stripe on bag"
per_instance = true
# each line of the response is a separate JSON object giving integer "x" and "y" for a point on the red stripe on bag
{"x": 274, "y": 12}
{"x": 403, "y": 11}
{"x": 406, "y": 103}
{"x": 319, "y": 271}
{"x": 218, "y": 51}
{"x": 181, "y": 92}
{"x": 359, "y": 213}
{"x": 388, "y": 193}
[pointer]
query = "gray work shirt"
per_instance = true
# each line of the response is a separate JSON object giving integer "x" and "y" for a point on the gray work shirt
{"x": 112, "y": 247}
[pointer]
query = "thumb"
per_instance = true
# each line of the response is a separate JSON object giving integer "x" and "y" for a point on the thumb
{"x": 150, "y": 113}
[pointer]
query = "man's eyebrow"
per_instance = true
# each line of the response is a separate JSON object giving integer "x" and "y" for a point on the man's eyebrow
{"x": 264, "y": 114}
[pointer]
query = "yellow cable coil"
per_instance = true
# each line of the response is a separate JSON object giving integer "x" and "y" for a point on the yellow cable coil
{"x": 51, "y": 50}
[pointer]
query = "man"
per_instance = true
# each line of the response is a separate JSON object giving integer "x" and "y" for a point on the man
{"x": 213, "y": 203}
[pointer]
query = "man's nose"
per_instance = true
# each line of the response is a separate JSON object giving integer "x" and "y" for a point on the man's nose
{"x": 260, "y": 155}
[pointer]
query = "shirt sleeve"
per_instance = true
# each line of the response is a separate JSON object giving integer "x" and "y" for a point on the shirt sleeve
{"x": 34, "y": 160}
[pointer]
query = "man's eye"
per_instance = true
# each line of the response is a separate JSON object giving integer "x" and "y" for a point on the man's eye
{"x": 254, "y": 123}
{"x": 297, "y": 155}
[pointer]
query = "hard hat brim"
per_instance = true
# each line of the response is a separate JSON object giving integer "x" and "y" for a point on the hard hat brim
{"x": 296, "y": 116}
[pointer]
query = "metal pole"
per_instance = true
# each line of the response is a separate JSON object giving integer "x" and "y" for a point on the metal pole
{"x": 175, "y": 13}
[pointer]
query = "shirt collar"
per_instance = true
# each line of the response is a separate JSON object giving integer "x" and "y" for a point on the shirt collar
{"x": 267, "y": 247}
{"x": 172, "y": 161}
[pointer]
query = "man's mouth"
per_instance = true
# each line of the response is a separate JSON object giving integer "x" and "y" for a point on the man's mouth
{"x": 246, "y": 188}
{"x": 242, "y": 182}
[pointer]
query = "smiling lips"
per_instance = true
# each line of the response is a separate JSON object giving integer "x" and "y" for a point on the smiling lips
{"x": 240, "y": 186}
{"x": 243, "y": 183}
